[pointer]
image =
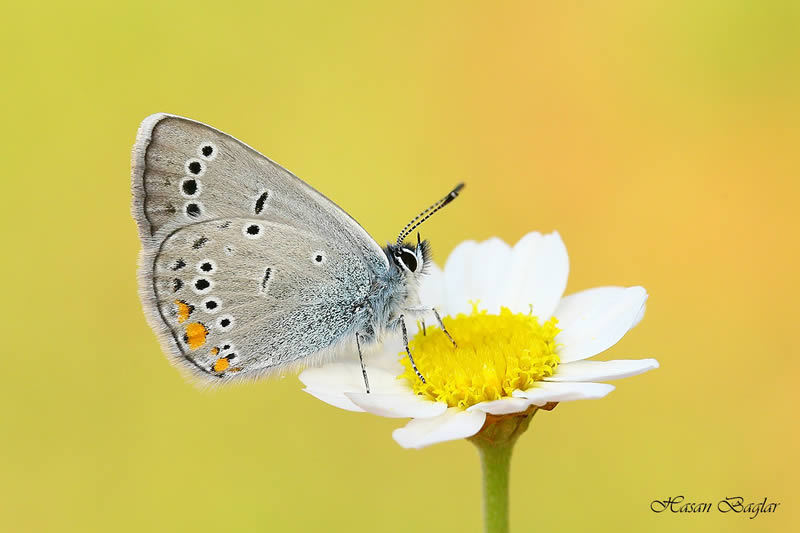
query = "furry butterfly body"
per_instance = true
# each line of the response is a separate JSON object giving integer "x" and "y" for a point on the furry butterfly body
{"x": 246, "y": 270}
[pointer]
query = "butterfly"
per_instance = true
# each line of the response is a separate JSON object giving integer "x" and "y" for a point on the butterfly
{"x": 248, "y": 271}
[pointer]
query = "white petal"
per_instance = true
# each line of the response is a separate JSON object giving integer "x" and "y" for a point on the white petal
{"x": 478, "y": 273}
{"x": 538, "y": 274}
{"x": 491, "y": 263}
{"x": 502, "y": 406}
{"x": 458, "y": 278}
{"x": 336, "y": 399}
{"x": 386, "y": 356}
{"x": 602, "y": 370}
{"x": 453, "y": 424}
{"x": 544, "y": 392}
{"x": 594, "y": 320}
{"x": 407, "y": 405}
{"x": 329, "y": 383}
{"x": 639, "y": 317}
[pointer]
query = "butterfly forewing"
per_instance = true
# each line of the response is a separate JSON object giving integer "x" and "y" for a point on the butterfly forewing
{"x": 185, "y": 172}
{"x": 246, "y": 268}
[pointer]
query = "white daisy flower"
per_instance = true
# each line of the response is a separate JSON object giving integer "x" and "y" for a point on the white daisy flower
{"x": 521, "y": 345}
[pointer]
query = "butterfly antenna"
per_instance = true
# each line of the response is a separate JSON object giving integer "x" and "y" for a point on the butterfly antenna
{"x": 406, "y": 231}
{"x": 428, "y": 213}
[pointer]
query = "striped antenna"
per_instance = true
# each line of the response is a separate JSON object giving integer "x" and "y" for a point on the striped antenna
{"x": 428, "y": 213}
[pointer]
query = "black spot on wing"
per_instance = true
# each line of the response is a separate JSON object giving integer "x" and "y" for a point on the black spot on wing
{"x": 260, "y": 202}
{"x": 199, "y": 243}
{"x": 265, "y": 280}
{"x": 189, "y": 187}
{"x": 195, "y": 167}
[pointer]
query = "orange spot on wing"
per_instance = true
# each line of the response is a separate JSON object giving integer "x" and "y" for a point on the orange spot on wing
{"x": 195, "y": 335}
{"x": 214, "y": 350}
{"x": 221, "y": 364}
{"x": 184, "y": 310}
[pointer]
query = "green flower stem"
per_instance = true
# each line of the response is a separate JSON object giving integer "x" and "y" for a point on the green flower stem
{"x": 495, "y": 463}
{"x": 495, "y": 442}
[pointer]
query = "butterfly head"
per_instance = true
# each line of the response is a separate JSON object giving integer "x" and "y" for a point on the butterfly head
{"x": 406, "y": 256}
{"x": 410, "y": 258}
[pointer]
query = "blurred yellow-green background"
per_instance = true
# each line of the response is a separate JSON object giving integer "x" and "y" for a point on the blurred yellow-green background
{"x": 659, "y": 138}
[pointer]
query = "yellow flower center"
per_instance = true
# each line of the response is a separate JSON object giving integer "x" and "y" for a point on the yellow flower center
{"x": 496, "y": 354}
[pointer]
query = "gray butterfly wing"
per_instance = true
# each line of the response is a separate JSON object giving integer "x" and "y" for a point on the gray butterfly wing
{"x": 245, "y": 296}
{"x": 245, "y": 268}
{"x": 185, "y": 172}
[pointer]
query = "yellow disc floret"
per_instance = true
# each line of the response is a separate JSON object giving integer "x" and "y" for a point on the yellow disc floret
{"x": 496, "y": 354}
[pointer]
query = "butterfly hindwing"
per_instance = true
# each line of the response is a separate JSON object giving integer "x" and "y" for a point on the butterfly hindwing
{"x": 243, "y": 296}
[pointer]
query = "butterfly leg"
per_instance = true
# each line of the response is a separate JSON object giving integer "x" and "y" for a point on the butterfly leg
{"x": 363, "y": 368}
{"x": 441, "y": 324}
{"x": 424, "y": 331}
{"x": 408, "y": 351}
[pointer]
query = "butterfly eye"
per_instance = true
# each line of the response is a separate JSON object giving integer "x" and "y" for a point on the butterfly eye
{"x": 409, "y": 259}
